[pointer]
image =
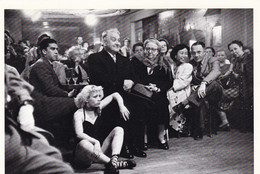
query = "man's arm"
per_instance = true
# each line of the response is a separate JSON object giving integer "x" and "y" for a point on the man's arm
{"x": 214, "y": 73}
{"x": 44, "y": 77}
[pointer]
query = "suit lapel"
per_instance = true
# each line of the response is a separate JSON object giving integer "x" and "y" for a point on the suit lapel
{"x": 54, "y": 75}
{"x": 204, "y": 64}
{"x": 109, "y": 62}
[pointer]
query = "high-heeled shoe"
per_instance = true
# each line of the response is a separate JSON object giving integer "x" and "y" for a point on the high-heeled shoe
{"x": 225, "y": 127}
{"x": 137, "y": 152}
{"x": 164, "y": 146}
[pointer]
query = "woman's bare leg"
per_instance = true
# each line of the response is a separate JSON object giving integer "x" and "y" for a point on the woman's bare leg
{"x": 85, "y": 154}
{"x": 223, "y": 117}
{"x": 161, "y": 134}
{"x": 114, "y": 141}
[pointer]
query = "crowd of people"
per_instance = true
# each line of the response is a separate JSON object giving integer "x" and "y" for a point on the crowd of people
{"x": 130, "y": 98}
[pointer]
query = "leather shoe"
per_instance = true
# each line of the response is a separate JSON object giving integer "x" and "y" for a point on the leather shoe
{"x": 137, "y": 152}
{"x": 198, "y": 137}
{"x": 111, "y": 169}
{"x": 126, "y": 153}
{"x": 198, "y": 134}
{"x": 145, "y": 146}
{"x": 163, "y": 146}
{"x": 126, "y": 164}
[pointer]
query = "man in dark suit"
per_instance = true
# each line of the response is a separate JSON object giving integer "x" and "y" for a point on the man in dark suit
{"x": 113, "y": 72}
{"x": 52, "y": 103}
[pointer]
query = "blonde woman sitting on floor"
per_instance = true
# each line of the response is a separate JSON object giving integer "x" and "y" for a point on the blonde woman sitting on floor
{"x": 96, "y": 143}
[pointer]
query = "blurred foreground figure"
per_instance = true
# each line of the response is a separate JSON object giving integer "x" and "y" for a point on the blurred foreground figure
{"x": 26, "y": 149}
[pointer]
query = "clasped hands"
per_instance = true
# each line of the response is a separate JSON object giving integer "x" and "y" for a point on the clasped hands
{"x": 128, "y": 84}
{"x": 152, "y": 87}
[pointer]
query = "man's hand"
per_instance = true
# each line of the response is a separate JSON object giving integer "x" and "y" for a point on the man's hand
{"x": 128, "y": 84}
{"x": 25, "y": 117}
{"x": 202, "y": 90}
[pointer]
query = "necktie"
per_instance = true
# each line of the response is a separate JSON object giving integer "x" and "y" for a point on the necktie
{"x": 198, "y": 74}
{"x": 79, "y": 76}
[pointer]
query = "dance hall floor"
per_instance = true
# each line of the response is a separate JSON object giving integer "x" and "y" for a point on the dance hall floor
{"x": 225, "y": 153}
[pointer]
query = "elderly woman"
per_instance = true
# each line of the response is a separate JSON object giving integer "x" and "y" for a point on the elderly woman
{"x": 158, "y": 81}
{"x": 75, "y": 61}
{"x": 243, "y": 73}
{"x": 182, "y": 75}
{"x": 88, "y": 129}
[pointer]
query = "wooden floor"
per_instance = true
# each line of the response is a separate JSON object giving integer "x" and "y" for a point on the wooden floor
{"x": 225, "y": 153}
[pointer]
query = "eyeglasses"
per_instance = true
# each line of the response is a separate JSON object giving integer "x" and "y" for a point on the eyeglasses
{"x": 151, "y": 49}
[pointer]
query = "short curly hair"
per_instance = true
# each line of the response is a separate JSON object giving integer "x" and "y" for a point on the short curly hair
{"x": 71, "y": 50}
{"x": 83, "y": 97}
{"x": 154, "y": 41}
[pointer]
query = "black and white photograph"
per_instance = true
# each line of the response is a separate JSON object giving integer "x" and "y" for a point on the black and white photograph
{"x": 129, "y": 90}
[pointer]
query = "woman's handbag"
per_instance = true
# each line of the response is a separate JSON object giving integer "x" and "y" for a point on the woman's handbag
{"x": 141, "y": 89}
{"x": 230, "y": 87}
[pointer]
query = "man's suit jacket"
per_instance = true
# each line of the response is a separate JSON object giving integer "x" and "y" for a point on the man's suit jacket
{"x": 44, "y": 79}
{"x": 210, "y": 69}
{"x": 105, "y": 72}
{"x": 51, "y": 102}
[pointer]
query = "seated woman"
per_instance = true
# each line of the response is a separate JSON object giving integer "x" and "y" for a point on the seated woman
{"x": 182, "y": 76}
{"x": 88, "y": 129}
{"x": 156, "y": 79}
{"x": 75, "y": 62}
{"x": 230, "y": 89}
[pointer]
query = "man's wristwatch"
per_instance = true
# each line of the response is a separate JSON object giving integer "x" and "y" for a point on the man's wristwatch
{"x": 26, "y": 102}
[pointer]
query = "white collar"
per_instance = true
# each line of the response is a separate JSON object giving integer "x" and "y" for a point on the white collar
{"x": 50, "y": 61}
{"x": 113, "y": 56}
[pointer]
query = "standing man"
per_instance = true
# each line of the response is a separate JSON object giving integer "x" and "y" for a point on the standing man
{"x": 52, "y": 103}
{"x": 113, "y": 72}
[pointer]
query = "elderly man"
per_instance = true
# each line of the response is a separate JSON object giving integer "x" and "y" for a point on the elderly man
{"x": 206, "y": 71}
{"x": 52, "y": 103}
{"x": 113, "y": 72}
